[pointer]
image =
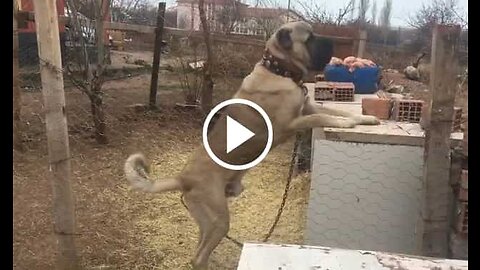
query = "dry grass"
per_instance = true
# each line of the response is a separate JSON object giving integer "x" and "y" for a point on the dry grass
{"x": 119, "y": 229}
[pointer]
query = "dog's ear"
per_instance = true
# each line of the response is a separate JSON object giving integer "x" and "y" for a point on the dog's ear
{"x": 284, "y": 39}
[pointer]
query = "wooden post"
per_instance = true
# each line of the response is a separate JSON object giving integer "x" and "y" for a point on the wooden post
{"x": 438, "y": 194}
{"x": 46, "y": 21}
{"x": 362, "y": 43}
{"x": 304, "y": 151}
{"x": 17, "y": 92}
{"x": 157, "y": 51}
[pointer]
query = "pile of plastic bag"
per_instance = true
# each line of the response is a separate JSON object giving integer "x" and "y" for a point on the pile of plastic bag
{"x": 352, "y": 62}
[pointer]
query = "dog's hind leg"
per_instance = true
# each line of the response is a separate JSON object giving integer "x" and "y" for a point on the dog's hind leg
{"x": 321, "y": 120}
{"x": 210, "y": 210}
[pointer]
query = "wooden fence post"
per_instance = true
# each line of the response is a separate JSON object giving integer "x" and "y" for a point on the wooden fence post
{"x": 157, "y": 51}
{"x": 46, "y": 21}
{"x": 17, "y": 92}
{"x": 438, "y": 195}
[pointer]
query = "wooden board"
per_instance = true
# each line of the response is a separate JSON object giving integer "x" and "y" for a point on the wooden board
{"x": 388, "y": 132}
{"x": 296, "y": 257}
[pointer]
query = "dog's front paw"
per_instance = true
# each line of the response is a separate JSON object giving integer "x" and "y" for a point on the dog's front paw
{"x": 346, "y": 123}
{"x": 367, "y": 120}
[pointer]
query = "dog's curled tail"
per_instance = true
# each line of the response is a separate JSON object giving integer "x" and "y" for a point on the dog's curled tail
{"x": 136, "y": 171}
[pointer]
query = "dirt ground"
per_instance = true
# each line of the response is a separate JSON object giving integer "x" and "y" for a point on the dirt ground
{"x": 119, "y": 229}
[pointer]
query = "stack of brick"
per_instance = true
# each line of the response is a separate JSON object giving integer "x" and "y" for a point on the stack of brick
{"x": 401, "y": 110}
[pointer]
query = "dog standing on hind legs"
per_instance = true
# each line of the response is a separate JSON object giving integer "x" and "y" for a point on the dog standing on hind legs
{"x": 275, "y": 85}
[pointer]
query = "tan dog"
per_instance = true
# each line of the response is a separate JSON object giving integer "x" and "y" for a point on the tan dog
{"x": 274, "y": 84}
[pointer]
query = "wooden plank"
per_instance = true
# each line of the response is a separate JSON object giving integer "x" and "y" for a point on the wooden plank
{"x": 438, "y": 195}
{"x": 388, "y": 132}
{"x": 17, "y": 92}
{"x": 157, "y": 51}
{"x": 300, "y": 257}
{"x": 57, "y": 134}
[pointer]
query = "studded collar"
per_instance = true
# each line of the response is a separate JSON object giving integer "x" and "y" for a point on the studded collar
{"x": 281, "y": 67}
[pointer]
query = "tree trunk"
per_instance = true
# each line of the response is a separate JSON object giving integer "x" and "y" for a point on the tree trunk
{"x": 98, "y": 115}
{"x": 207, "y": 89}
{"x": 17, "y": 94}
{"x": 96, "y": 97}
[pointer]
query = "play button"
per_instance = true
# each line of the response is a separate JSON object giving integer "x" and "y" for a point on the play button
{"x": 241, "y": 136}
{"x": 236, "y": 134}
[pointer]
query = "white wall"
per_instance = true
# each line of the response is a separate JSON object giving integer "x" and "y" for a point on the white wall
{"x": 365, "y": 196}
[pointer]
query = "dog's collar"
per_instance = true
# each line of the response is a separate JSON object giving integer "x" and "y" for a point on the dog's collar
{"x": 281, "y": 67}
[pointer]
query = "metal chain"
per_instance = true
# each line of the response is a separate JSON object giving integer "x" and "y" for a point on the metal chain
{"x": 284, "y": 197}
{"x": 235, "y": 241}
{"x": 287, "y": 188}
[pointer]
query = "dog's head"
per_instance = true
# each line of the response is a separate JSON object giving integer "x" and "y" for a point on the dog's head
{"x": 296, "y": 43}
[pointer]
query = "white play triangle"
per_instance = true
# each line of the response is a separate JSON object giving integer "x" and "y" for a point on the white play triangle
{"x": 237, "y": 134}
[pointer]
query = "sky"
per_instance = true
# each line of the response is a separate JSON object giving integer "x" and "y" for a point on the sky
{"x": 401, "y": 9}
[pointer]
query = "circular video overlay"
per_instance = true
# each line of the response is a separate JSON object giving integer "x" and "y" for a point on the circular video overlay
{"x": 237, "y": 134}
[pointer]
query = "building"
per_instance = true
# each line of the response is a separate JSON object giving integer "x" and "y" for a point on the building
{"x": 233, "y": 16}
{"x": 27, "y": 36}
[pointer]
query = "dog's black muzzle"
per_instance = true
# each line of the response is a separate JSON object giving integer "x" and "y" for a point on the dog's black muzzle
{"x": 321, "y": 51}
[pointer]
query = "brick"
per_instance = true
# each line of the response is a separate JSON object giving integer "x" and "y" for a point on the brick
{"x": 379, "y": 107}
{"x": 463, "y": 187}
{"x": 462, "y": 218}
{"x": 335, "y": 91}
{"x": 407, "y": 110}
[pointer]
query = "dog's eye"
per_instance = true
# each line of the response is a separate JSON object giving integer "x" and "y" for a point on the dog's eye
{"x": 310, "y": 36}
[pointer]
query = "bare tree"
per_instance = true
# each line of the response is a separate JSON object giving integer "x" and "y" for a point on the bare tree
{"x": 207, "y": 86}
{"x": 134, "y": 11}
{"x": 384, "y": 20}
{"x": 374, "y": 12}
{"x": 436, "y": 12}
{"x": 268, "y": 25}
{"x": 228, "y": 16}
{"x": 91, "y": 79}
{"x": 352, "y": 11}
{"x": 316, "y": 12}
{"x": 362, "y": 11}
